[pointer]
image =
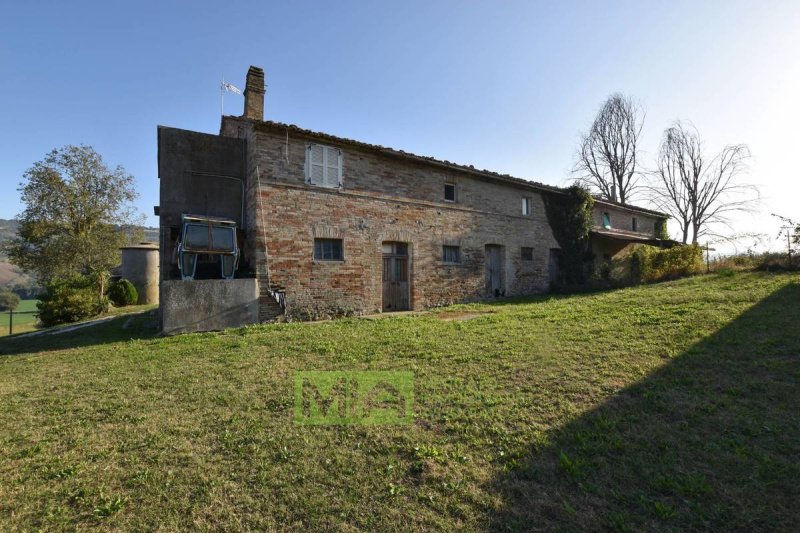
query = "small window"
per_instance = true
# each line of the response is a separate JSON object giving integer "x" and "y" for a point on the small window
{"x": 323, "y": 166}
{"x": 526, "y": 253}
{"x": 634, "y": 224}
{"x": 606, "y": 220}
{"x": 451, "y": 254}
{"x": 526, "y": 206}
{"x": 328, "y": 250}
{"x": 449, "y": 192}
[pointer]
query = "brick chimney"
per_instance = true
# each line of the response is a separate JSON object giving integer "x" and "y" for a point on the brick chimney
{"x": 254, "y": 94}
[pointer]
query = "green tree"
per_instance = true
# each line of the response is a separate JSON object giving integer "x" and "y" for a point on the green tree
{"x": 8, "y": 300}
{"x": 74, "y": 207}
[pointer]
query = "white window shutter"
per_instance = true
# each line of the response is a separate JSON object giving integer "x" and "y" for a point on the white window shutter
{"x": 315, "y": 166}
{"x": 323, "y": 166}
{"x": 338, "y": 168}
{"x": 331, "y": 167}
{"x": 307, "y": 168}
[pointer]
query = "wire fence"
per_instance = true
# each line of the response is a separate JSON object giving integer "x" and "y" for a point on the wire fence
{"x": 10, "y": 319}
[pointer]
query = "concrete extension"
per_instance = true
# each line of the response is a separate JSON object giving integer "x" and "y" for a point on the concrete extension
{"x": 207, "y": 305}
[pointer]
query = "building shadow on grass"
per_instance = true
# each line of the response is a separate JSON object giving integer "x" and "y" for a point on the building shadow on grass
{"x": 139, "y": 325}
{"x": 709, "y": 441}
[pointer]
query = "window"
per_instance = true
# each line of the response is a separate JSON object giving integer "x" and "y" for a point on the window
{"x": 395, "y": 248}
{"x": 208, "y": 237}
{"x": 328, "y": 250}
{"x": 209, "y": 243}
{"x": 526, "y": 253}
{"x": 526, "y": 206}
{"x": 634, "y": 224}
{"x": 449, "y": 192}
{"x": 323, "y": 166}
{"x": 451, "y": 254}
{"x": 606, "y": 220}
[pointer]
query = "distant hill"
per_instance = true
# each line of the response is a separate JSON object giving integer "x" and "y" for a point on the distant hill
{"x": 10, "y": 276}
{"x": 151, "y": 234}
{"x": 8, "y": 228}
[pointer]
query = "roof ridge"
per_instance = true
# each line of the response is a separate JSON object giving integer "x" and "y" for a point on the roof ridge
{"x": 508, "y": 178}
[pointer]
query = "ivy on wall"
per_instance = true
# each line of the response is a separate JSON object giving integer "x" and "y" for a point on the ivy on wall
{"x": 570, "y": 217}
{"x": 661, "y": 229}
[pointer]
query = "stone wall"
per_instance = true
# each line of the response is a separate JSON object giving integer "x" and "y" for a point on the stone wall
{"x": 622, "y": 218}
{"x": 387, "y": 196}
{"x": 383, "y": 198}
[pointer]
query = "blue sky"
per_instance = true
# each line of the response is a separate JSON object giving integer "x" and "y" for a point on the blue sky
{"x": 502, "y": 85}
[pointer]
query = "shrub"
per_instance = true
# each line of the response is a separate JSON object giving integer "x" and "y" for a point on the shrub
{"x": 767, "y": 261}
{"x": 69, "y": 300}
{"x": 123, "y": 293}
{"x": 642, "y": 264}
{"x": 677, "y": 262}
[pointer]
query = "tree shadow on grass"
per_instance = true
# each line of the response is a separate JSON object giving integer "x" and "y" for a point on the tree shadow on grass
{"x": 121, "y": 328}
{"x": 709, "y": 441}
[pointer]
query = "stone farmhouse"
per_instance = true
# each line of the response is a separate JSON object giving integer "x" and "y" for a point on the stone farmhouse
{"x": 268, "y": 218}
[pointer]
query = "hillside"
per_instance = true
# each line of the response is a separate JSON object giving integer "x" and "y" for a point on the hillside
{"x": 8, "y": 228}
{"x": 10, "y": 276}
{"x": 665, "y": 407}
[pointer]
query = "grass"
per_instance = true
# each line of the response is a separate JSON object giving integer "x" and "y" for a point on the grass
{"x": 28, "y": 322}
{"x": 664, "y": 407}
{"x": 24, "y": 319}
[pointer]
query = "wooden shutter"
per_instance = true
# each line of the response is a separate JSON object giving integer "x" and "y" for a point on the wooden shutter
{"x": 333, "y": 167}
{"x": 315, "y": 164}
{"x": 323, "y": 165}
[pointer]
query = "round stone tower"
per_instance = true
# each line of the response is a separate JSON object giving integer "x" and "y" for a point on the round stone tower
{"x": 140, "y": 267}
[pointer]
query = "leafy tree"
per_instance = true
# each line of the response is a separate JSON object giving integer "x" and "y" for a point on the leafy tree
{"x": 74, "y": 206}
{"x": 8, "y": 300}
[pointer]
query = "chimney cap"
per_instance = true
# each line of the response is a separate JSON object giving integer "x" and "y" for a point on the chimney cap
{"x": 255, "y": 79}
{"x": 254, "y": 94}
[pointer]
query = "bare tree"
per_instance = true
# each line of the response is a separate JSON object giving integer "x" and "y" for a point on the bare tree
{"x": 679, "y": 159}
{"x": 607, "y": 155}
{"x": 699, "y": 193}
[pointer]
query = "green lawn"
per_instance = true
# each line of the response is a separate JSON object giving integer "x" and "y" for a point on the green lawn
{"x": 24, "y": 306}
{"x": 667, "y": 407}
{"x": 27, "y": 322}
{"x": 23, "y": 320}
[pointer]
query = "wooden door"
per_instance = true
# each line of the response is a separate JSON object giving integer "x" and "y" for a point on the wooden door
{"x": 395, "y": 277}
{"x": 494, "y": 270}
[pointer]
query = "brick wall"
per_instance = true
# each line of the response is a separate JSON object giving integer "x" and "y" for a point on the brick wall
{"x": 383, "y": 198}
{"x": 622, "y": 219}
